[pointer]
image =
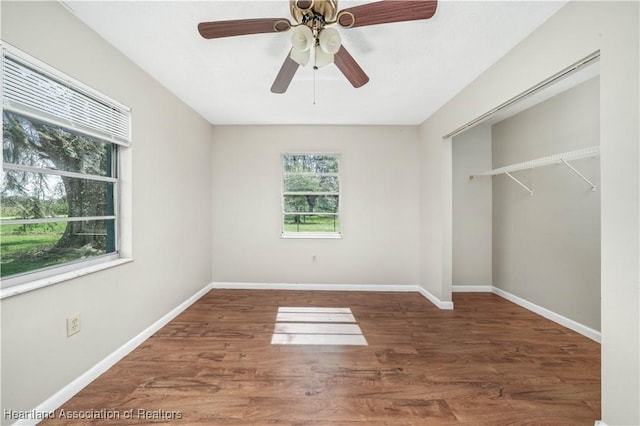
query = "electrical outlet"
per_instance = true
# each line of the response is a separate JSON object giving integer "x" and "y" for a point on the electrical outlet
{"x": 73, "y": 325}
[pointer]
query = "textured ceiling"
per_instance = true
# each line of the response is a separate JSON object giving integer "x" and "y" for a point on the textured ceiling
{"x": 414, "y": 67}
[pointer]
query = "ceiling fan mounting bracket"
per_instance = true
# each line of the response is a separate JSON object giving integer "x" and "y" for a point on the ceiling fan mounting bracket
{"x": 314, "y": 12}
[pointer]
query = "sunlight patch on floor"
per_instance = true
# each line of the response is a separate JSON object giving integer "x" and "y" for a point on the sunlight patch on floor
{"x": 316, "y": 326}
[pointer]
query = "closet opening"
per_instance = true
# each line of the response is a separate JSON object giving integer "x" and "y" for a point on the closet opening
{"x": 525, "y": 199}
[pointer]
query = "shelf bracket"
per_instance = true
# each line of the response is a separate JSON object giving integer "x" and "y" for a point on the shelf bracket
{"x": 573, "y": 169}
{"x": 519, "y": 183}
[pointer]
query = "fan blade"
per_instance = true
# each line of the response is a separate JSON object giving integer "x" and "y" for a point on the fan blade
{"x": 350, "y": 68}
{"x": 239, "y": 27}
{"x": 384, "y": 12}
{"x": 285, "y": 75}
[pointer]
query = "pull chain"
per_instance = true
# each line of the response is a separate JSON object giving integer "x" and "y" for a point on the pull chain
{"x": 314, "y": 84}
{"x": 316, "y": 31}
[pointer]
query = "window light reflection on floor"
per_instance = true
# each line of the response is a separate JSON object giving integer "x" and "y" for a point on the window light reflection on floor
{"x": 316, "y": 326}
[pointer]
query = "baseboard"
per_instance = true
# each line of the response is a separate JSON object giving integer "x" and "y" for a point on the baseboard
{"x": 472, "y": 289}
{"x": 63, "y": 395}
{"x": 334, "y": 287}
{"x": 313, "y": 287}
{"x": 555, "y": 317}
{"x": 433, "y": 299}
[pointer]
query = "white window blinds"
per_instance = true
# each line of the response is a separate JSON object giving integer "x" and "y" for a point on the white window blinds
{"x": 34, "y": 89}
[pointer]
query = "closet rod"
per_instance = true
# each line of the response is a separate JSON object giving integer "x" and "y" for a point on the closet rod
{"x": 532, "y": 90}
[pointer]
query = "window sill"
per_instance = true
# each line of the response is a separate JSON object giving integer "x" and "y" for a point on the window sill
{"x": 311, "y": 235}
{"x": 55, "y": 279}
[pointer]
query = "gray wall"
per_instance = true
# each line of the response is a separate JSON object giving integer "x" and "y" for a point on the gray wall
{"x": 546, "y": 247}
{"x": 379, "y": 188}
{"x": 472, "y": 215}
{"x": 171, "y": 220}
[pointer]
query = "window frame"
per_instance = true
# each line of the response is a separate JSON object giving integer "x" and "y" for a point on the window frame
{"x": 310, "y": 235}
{"x": 117, "y": 137}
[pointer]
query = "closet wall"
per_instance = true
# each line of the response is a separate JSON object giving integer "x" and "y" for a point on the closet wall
{"x": 472, "y": 210}
{"x": 543, "y": 248}
{"x": 546, "y": 247}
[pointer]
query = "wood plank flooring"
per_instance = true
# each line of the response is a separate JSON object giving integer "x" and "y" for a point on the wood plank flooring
{"x": 488, "y": 362}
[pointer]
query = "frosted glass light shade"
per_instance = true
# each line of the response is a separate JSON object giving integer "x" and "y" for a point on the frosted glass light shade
{"x": 330, "y": 40}
{"x": 302, "y": 38}
{"x": 322, "y": 58}
{"x": 302, "y": 57}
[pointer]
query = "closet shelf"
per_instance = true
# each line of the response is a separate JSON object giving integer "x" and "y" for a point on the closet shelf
{"x": 563, "y": 158}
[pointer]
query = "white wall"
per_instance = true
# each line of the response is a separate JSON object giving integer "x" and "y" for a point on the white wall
{"x": 171, "y": 218}
{"x": 379, "y": 186}
{"x": 547, "y": 246}
{"x": 576, "y": 31}
{"x": 472, "y": 209}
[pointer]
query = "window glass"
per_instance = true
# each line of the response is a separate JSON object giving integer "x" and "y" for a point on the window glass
{"x": 30, "y": 142}
{"x": 57, "y": 197}
{"x": 30, "y": 247}
{"x": 311, "y": 195}
{"x": 313, "y": 163}
{"x": 27, "y": 195}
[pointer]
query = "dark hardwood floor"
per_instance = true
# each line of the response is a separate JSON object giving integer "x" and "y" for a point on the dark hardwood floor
{"x": 488, "y": 362}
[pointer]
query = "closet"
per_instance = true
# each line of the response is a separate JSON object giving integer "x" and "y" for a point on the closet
{"x": 526, "y": 202}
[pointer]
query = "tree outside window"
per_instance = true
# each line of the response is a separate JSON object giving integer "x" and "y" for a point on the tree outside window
{"x": 57, "y": 196}
{"x": 311, "y": 194}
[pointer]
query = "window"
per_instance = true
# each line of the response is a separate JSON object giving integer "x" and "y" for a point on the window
{"x": 310, "y": 196}
{"x": 59, "y": 192}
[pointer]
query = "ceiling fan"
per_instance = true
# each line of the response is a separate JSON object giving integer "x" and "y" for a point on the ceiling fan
{"x": 314, "y": 41}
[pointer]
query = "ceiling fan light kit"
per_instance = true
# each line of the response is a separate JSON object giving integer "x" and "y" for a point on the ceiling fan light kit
{"x": 313, "y": 41}
{"x": 302, "y": 38}
{"x": 325, "y": 46}
{"x": 301, "y": 57}
{"x": 329, "y": 40}
{"x": 322, "y": 58}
